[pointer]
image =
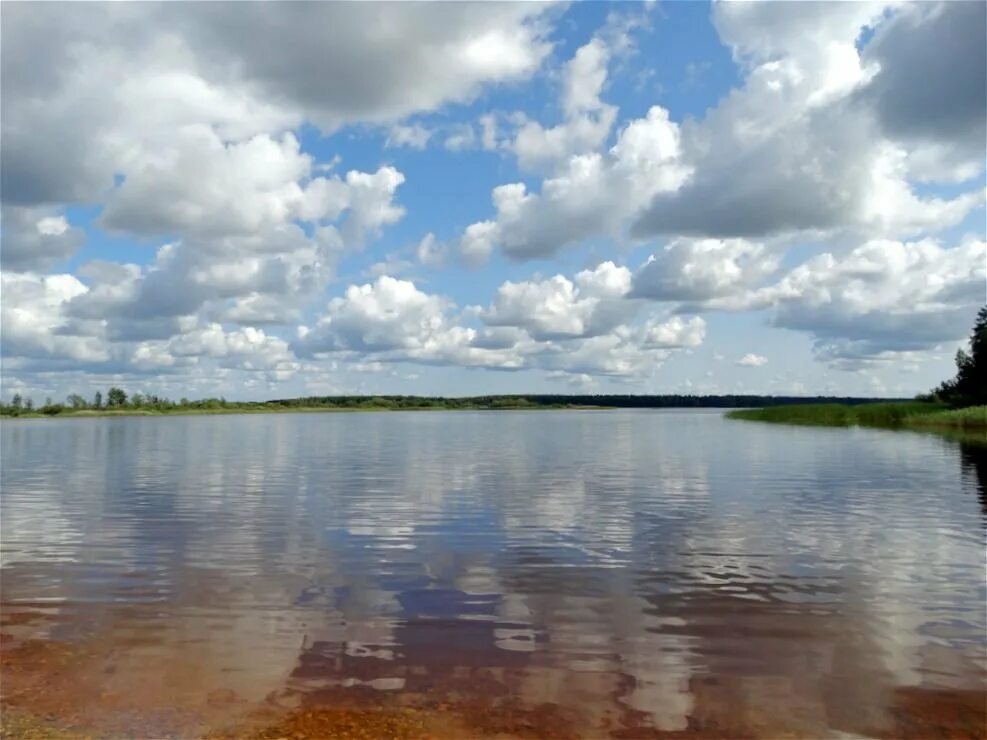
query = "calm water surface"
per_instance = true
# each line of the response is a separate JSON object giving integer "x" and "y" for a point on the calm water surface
{"x": 624, "y": 572}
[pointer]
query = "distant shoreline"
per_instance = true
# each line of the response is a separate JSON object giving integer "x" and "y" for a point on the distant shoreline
{"x": 109, "y": 413}
{"x": 139, "y": 405}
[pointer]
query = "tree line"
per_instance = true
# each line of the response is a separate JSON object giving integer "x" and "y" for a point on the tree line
{"x": 118, "y": 400}
{"x": 115, "y": 399}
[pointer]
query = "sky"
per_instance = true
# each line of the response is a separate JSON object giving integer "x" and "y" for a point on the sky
{"x": 267, "y": 200}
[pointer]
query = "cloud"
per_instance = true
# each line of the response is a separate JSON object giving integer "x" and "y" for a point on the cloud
{"x": 828, "y": 172}
{"x": 880, "y": 298}
{"x": 430, "y": 252}
{"x": 674, "y": 333}
{"x": 247, "y": 349}
{"x": 385, "y": 315}
{"x": 593, "y": 195}
{"x": 196, "y": 184}
{"x": 343, "y": 64}
{"x": 461, "y": 137}
{"x": 583, "y": 326}
{"x": 391, "y": 320}
{"x": 557, "y": 308}
{"x": 478, "y": 242}
{"x": 255, "y": 309}
{"x": 884, "y": 296}
{"x": 589, "y": 325}
{"x": 752, "y": 360}
{"x": 202, "y": 162}
{"x": 414, "y": 136}
{"x": 186, "y": 275}
{"x": 369, "y": 201}
{"x": 587, "y": 122}
{"x": 32, "y": 314}
{"x": 931, "y": 87}
{"x": 125, "y": 81}
{"x": 40, "y": 334}
{"x": 242, "y": 255}
{"x": 93, "y": 92}
{"x": 35, "y": 239}
{"x": 700, "y": 270}
{"x": 801, "y": 146}
{"x": 626, "y": 352}
{"x": 855, "y": 137}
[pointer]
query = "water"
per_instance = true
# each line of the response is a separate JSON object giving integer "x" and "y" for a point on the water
{"x": 589, "y": 572}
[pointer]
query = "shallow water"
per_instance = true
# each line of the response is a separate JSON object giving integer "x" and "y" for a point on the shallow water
{"x": 543, "y": 573}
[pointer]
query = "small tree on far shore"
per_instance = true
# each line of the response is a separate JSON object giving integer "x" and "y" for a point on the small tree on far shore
{"x": 969, "y": 387}
{"x": 116, "y": 397}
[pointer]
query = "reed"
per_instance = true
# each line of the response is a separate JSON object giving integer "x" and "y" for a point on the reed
{"x": 891, "y": 414}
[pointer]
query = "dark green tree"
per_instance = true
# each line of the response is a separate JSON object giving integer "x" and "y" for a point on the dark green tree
{"x": 969, "y": 387}
{"x": 17, "y": 402}
{"x": 116, "y": 397}
{"x": 76, "y": 401}
{"x": 98, "y": 400}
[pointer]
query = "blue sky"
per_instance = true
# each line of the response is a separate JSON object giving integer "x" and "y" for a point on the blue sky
{"x": 455, "y": 199}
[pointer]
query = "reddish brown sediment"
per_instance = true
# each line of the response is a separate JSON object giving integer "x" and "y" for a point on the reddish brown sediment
{"x": 940, "y": 718}
{"x": 53, "y": 689}
{"x": 918, "y": 714}
{"x": 450, "y": 680}
{"x": 936, "y": 714}
{"x": 50, "y": 691}
{"x": 352, "y": 724}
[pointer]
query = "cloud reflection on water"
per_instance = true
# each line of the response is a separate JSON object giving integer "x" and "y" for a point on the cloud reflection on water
{"x": 645, "y": 567}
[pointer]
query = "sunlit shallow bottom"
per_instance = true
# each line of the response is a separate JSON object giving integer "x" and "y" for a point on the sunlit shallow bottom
{"x": 625, "y": 574}
{"x": 66, "y": 690}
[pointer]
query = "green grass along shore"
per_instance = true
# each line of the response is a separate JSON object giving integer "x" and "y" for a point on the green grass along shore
{"x": 914, "y": 414}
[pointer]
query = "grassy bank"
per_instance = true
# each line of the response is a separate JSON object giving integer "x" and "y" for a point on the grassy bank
{"x": 914, "y": 414}
{"x": 973, "y": 417}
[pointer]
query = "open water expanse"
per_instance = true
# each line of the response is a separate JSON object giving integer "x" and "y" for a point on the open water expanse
{"x": 633, "y": 573}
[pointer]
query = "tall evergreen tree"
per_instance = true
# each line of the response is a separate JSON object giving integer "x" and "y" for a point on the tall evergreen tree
{"x": 969, "y": 387}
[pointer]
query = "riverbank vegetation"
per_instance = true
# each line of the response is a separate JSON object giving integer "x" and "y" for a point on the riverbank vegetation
{"x": 119, "y": 403}
{"x": 959, "y": 403}
{"x": 908, "y": 414}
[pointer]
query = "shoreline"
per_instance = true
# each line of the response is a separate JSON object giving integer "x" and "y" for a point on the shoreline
{"x": 151, "y": 405}
{"x": 106, "y": 413}
{"x": 915, "y": 416}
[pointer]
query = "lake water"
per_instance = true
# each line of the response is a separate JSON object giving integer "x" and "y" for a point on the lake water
{"x": 587, "y": 573}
